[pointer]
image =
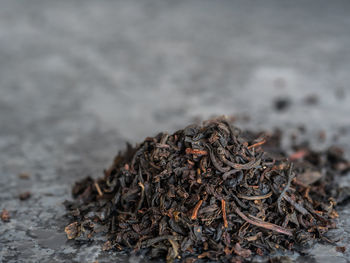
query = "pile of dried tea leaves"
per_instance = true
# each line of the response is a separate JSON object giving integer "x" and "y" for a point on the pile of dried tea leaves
{"x": 209, "y": 192}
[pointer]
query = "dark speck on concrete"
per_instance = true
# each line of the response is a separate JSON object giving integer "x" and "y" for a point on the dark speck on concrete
{"x": 282, "y": 104}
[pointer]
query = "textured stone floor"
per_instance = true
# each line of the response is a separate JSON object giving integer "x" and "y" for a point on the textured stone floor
{"x": 80, "y": 78}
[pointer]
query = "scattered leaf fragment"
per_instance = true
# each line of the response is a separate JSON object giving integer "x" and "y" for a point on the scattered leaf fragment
{"x": 107, "y": 246}
{"x": 72, "y": 230}
{"x": 340, "y": 249}
{"x": 5, "y": 215}
{"x": 23, "y": 175}
{"x": 25, "y": 196}
{"x": 309, "y": 177}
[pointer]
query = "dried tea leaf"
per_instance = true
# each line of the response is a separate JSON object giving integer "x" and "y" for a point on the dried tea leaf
{"x": 340, "y": 249}
{"x": 241, "y": 251}
{"x": 309, "y": 177}
{"x": 208, "y": 192}
{"x": 25, "y": 196}
{"x": 5, "y": 215}
{"x": 72, "y": 230}
{"x": 107, "y": 246}
{"x": 24, "y": 176}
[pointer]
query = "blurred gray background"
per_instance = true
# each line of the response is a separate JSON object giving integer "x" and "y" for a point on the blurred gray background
{"x": 80, "y": 78}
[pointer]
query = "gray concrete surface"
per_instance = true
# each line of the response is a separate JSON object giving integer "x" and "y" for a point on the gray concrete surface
{"x": 80, "y": 78}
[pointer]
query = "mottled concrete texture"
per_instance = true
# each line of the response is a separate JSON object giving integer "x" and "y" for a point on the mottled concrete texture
{"x": 80, "y": 78}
